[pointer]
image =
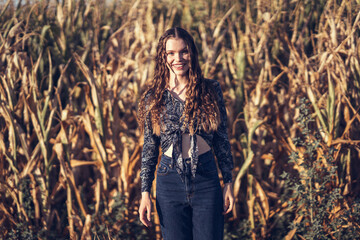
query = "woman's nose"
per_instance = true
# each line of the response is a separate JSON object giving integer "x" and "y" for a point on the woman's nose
{"x": 179, "y": 56}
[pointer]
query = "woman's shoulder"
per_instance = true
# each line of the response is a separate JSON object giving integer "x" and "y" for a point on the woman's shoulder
{"x": 146, "y": 98}
{"x": 214, "y": 85}
{"x": 148, "y": 95}
{"x": 211, "y": 81}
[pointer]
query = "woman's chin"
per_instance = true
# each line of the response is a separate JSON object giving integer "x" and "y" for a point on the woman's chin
{"x": 182, "y": 73}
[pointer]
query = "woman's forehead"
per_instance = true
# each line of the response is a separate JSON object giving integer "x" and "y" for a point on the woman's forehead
{"x": 175, "y": 44}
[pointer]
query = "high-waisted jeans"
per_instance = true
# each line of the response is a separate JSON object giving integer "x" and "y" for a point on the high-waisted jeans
{"x": 190, "y": 209}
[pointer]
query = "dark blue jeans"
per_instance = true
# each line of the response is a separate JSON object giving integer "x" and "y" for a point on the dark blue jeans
{"x": 190, "y": 210}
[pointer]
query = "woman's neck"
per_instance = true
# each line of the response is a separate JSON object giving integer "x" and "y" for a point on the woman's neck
{"x": 178, "y": 83}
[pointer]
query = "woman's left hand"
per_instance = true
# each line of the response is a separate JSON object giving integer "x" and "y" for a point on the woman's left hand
{"x": 228, "y": 198}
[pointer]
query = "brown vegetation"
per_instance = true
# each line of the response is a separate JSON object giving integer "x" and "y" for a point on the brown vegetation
{"x": 71, "y": 74}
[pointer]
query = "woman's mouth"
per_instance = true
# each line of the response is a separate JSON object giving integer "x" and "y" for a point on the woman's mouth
{"x": 178, "y": 66}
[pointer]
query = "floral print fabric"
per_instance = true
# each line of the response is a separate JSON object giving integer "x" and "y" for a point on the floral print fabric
{"x": 171, "y": 134}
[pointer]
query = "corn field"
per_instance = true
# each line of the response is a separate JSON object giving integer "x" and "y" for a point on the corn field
{"x": 71, "y": 75}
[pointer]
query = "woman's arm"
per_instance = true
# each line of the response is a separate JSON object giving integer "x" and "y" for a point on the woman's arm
{"x": 149, "y": 158}
{"x": 221, "y": 144}
{"x": 222, "y": 150}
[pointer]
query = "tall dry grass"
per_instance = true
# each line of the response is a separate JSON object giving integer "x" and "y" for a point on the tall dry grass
{"x": 72, "y": 73}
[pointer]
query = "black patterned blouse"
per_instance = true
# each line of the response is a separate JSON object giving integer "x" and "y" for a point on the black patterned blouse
{"x": 171, "y": 134}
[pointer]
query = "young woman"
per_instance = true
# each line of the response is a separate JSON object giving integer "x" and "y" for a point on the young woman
{"x": 184, "y": 114}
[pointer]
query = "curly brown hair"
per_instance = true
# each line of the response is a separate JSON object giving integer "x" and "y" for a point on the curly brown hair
{"x": 201, "y": 110}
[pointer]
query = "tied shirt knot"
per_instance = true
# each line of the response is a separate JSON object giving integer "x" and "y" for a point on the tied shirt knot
{"x": 177, "y": 131}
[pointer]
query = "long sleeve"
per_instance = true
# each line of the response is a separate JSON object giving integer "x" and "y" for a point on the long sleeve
{"x": 221, "y": 144}
{"x": 149, "y": 156}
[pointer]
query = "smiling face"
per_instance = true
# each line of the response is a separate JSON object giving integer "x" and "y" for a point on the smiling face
{"x": 177, "y": 57}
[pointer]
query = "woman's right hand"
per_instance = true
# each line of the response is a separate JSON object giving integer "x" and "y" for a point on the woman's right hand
{"x": 145, "y": 209}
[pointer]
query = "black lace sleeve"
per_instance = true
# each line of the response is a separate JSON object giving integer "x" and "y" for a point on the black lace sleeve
{"x": 221, "y": 144}
{"x": 149, "y": 156}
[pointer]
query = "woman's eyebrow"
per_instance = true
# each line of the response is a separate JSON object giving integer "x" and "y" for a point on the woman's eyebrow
{"x": 184, "y": 49}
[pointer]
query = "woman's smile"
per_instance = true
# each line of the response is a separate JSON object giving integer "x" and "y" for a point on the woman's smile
{"x": 179, "y": 66}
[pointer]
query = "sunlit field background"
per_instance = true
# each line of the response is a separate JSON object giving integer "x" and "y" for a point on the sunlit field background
{"x": 72, "y": 73}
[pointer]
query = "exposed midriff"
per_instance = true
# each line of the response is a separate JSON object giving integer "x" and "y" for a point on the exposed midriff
{"x": 202, "y": 146}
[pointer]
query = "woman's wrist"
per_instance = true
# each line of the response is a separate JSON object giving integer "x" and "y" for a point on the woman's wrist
{"x": 145, "y": 194}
